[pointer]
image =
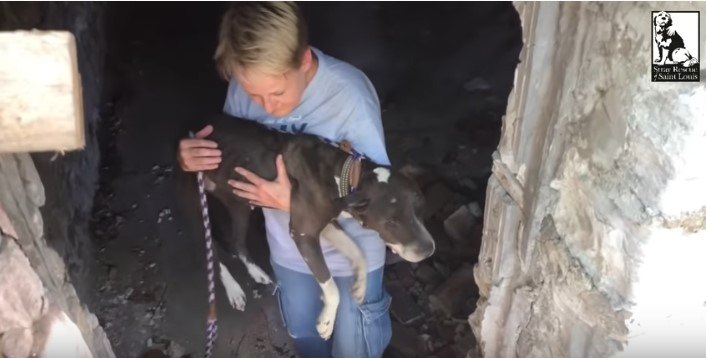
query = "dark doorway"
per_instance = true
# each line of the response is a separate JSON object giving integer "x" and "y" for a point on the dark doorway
{"x": 443, "y": 72}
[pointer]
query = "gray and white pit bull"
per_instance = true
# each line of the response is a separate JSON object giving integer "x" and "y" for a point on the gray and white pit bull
{"x": 385, "y": 200}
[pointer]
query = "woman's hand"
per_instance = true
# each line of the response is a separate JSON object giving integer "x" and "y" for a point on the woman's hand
{"x": 197, "y": 154}
{"x": 271, "y": 194}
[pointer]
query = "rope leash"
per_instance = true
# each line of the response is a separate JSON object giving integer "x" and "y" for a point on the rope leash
{"x": 211, "y": 323}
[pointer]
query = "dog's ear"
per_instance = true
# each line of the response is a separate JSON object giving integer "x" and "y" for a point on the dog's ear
{"x": 669, "y": 22}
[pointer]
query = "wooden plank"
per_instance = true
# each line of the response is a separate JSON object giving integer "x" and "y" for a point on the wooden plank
{"x": 41, "y": 106}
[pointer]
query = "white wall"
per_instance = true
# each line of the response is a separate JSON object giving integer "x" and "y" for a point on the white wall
{"x": 595, "y": 216}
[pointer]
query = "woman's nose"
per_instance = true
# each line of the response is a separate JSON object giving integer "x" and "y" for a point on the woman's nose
{"x": 269, "y": 106}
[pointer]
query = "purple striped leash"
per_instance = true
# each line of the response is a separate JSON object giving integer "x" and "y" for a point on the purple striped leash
{"x": 211, "y": 323}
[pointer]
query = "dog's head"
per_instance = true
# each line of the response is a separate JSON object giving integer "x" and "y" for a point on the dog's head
{"x": 663, "y": 19}
{"x": 389, "y": 201}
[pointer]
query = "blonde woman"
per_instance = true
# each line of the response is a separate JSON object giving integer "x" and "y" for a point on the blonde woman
{"x": 277, "y": 79}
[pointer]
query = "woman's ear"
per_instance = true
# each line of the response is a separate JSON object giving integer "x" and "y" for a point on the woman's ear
{"x": 307, "y": 60}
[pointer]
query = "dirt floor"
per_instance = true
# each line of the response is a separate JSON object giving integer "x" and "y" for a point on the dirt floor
{"x": 443, "y": 81}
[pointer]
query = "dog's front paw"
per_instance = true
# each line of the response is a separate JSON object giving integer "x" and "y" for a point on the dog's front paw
{"x": 327, "y": 317}
{"x": 324, "y": 325}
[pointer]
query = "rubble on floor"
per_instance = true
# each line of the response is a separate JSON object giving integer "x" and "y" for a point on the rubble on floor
{"x": 431, "y": 300}
{"x": 459, "y": 225}
{"x": 162, "y": 348}
{"x": 131, "y": 302}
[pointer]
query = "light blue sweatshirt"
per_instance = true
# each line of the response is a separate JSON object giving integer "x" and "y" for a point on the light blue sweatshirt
{"x": 339, "y": 103}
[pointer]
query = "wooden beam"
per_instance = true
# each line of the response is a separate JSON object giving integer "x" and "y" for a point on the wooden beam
{"x": 41, "y": 106}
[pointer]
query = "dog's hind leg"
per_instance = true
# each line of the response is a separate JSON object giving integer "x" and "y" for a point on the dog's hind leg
{"x": 257, "y": 274}
{"x": 235, "y": 293}
{"x": 240, "y": 217}
{"x": 335, "y": 235}
{"x": 239, "y": 214}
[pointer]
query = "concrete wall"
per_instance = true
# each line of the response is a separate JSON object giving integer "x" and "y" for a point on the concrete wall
{"x": 594, "y": 227}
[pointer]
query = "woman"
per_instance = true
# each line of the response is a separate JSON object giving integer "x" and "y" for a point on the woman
{"x": 280, "y": 81}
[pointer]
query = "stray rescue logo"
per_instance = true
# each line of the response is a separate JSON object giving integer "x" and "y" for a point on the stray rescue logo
{"x": 675, "y": 46}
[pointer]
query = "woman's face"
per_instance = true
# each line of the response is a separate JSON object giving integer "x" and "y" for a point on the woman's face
{"x": 278, "y": 94}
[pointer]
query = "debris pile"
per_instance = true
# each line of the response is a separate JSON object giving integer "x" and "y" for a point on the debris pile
{"x": 431, "y": 300}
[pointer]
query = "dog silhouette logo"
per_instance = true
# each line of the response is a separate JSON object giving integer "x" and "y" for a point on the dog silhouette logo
{"x": 675, "y": 46}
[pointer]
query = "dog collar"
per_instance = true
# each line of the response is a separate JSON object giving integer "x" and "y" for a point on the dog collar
{"x": 351, "y": 171}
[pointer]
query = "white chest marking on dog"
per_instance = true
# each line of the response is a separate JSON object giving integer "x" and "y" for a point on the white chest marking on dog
{"x": 345, "y": 214}
{"x": 393, "y": 200}
{"x": 338, "y": 180}
{"x": 331, "y": 298}
{"x": 256, "y": 272}
{"x": 235, "y": 293}
{"x": 383, "y": 174}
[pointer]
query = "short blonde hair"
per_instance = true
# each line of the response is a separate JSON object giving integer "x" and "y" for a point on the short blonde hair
{"x": 270, "y": 36}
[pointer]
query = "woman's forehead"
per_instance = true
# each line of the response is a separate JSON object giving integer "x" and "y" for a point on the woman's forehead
{"x": 255, "y": 80}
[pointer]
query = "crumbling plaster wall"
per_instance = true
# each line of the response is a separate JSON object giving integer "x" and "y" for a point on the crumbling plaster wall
{"x": 597, "y": 193}
{"x": 54, "y": 241}
{"x": 34, "y": 284}
{"x": 70, "y": 179}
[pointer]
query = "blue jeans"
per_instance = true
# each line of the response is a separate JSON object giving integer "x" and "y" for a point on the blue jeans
{"x": 360, "y": 331}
